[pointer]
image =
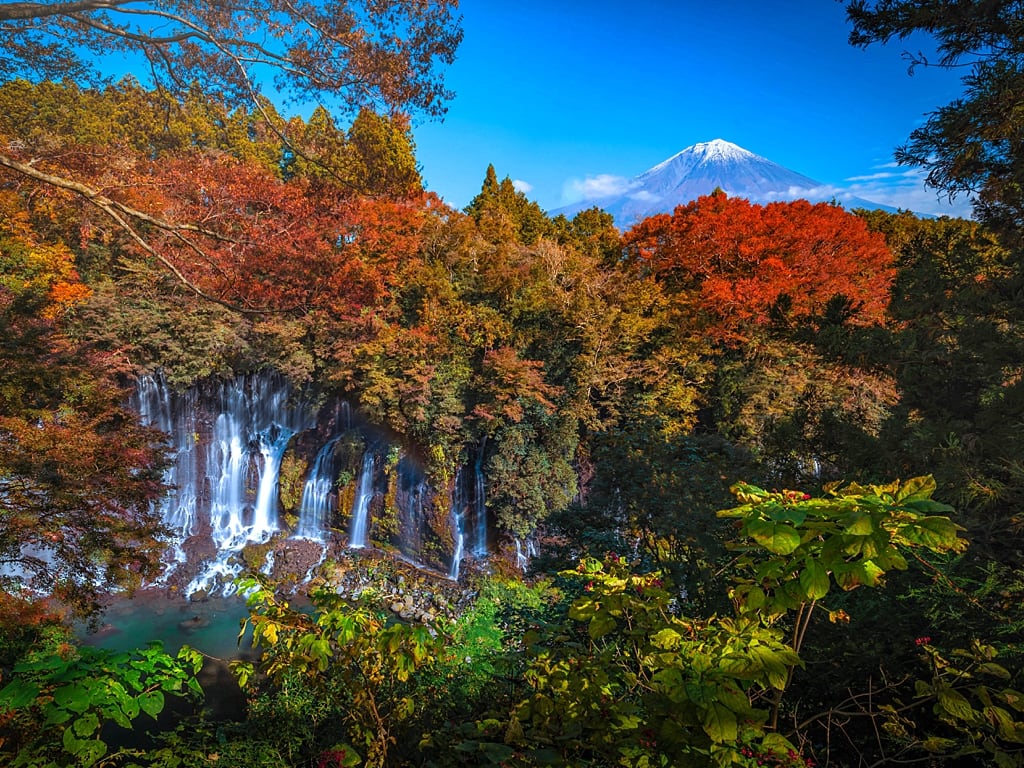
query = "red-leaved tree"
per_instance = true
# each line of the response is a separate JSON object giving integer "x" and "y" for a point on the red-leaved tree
{"x": 747, "y": 264}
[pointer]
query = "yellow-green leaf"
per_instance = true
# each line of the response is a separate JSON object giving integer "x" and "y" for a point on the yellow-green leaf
{"x": 778, "y": 538}
{"x": 719, "y": 723}
{"x": 814, "y": 580}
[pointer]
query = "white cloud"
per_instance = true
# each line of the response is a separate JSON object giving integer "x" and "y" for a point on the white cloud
{"x": 874, "y": 176}
{"x": 595, "y": 187}
{"x": 522, "y": 186}
{"x": 644, "y": 196}
{"x": 907, "y": 190}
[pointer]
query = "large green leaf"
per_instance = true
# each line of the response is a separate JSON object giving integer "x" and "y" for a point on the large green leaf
{"x": 75, "y": 697}
{"x": 719, "y": 723}
{"x": 86, "y": 725}
{"x": 916, "y": 489}
{"x": 814, "y": 580}
{"x": 778, "y": 538}
{"x": 953, "y": 702}
{"x": 935, "y": 533}
{"x": 601, "y": 625}
{"x": 151, "y": 702}
{"x": 859, "y": 524}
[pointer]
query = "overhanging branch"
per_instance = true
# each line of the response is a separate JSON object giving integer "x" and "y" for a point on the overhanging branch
{"x": 123, "y": 215}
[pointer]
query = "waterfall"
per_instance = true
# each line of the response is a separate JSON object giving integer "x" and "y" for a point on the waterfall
{"x": 245, "y": 425}
{"x": 411, "y": 500}
{"x": 458, "y": 525}
{"x": 315, "y": 507}
{"x": 253, "y": 427}
{"x": 227, "y": 440}
{"x": 361, "y": 507}
{"x": 480, "y": 505}
{"x": 524, "y": 553}
{"x": 272, "y": 442}
{"x": 179, "y": 509}
{"x": 226, "y": 465}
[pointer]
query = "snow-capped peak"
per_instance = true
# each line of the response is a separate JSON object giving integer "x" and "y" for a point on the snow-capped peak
{"x": 719, "y": 149}
{"x": 716, "y": 150}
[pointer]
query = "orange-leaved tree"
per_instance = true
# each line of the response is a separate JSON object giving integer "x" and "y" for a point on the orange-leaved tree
{"x": 78, "y": 473}
{"x": 345, "y": 55}
{"x": 748, "y": 264}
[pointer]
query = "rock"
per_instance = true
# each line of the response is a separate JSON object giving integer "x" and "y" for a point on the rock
{"x": 196, "y": 622}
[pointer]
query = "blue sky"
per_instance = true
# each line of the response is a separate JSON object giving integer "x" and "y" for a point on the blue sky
{"x": 564, "y": 96}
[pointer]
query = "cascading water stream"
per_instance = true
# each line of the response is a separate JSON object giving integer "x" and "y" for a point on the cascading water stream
{"x": 361, "y": 507}
{"x": 179, "y": 509}
{"x": 458, "y": 525}
{"x": 480, "y": 505}
{"x": 524, "y": 553}
{"x": 226, "y": 464}
{"x": 272, "y": 442}
{"x": 315, "y": 507}
{"x": 227, "y": 441}
{"x": 251, "y": 432}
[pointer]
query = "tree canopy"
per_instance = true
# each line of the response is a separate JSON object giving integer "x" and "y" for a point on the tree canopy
{"x": 973, "y": 145}
{"x": 748, "y": 263}
{"x": 348, "y": 56}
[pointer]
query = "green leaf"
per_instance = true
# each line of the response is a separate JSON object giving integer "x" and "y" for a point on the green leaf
{"x": 936, "y": 533}
{"x": 779, "y": 513}
{"x": 75, "y": 697}
{"x": 916, "y": 489}
{"x": 855, "y": 574}
{"x": 242, "y": 670}
{"x": 86, "y": 725}
{"x": 778, "y": 538}
{"x": 996, "y": 670}
{"x": 859, "y": 524}
{"x": 666, "y": 639}
{"x": 938, "y": 744}
{"x": 130, "y": 707}
{"x": 91, "y": 752}
{"x": 754, "y": 598}
{"x": 601, "y": 625}
{"x": 86, "y": 751}
{"x": 814, "y": 579}
{"x": 776, "y": 742}
{"x": 17, "y": 694}
{"x": 496, "y": 753}
{"x": 772, "y": 665}
{"x": 582, "y": 610}
{"x": 151, "y": 702}
{"x": 719, "y": 723}
{"x": 953, "y": 702}
{"x": 56, "y": 716}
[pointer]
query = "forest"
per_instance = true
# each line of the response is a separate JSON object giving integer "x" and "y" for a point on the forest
{"x": 767, "y": 458}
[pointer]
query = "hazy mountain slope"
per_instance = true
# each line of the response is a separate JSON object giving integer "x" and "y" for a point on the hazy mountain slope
{"x": 698, "y": 170}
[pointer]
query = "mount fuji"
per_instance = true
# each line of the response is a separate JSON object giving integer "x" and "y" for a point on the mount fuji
{"x": 699, "y": 170}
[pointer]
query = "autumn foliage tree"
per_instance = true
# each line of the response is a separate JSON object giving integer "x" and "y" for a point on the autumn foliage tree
{"x": 347, "y": 56}
{"x": 78, "y": 473}
{"x": 747, "y": 265}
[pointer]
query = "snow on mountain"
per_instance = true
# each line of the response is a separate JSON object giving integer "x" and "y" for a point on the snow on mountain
{"x": 698, "y": 170}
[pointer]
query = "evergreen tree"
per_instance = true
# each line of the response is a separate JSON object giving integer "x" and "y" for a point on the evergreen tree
{"x": 975, "y": 144}
{"x": 502, "y": 212}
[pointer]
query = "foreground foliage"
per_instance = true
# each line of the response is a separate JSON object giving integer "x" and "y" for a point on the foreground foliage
{"x": 59, "y": 708}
